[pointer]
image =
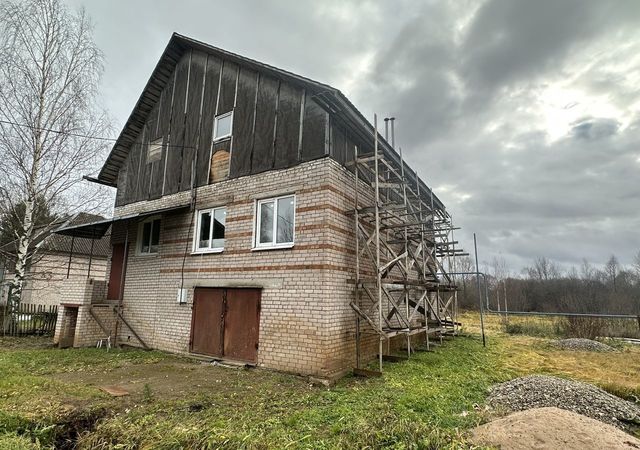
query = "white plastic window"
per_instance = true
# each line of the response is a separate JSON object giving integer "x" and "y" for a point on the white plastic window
{"x": 222, "y": 126}
{"x": 275, "y": 222}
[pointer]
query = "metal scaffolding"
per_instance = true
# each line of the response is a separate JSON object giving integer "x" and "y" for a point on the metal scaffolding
{"x": 405, "y": 255}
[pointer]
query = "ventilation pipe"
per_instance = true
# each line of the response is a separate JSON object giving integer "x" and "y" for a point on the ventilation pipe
{"x": 393, "y": 134}
{"x": 386, "y": 128}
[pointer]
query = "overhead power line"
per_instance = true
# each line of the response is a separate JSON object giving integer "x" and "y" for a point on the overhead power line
{"x": 49, "y": 130}
{"x": 68, "y": 133}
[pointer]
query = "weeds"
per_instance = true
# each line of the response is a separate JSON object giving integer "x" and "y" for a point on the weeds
{"x": 533, "y": 328}
{"x": 426, "y": 402}
{"x": 418, "y": 404}
{"x": 147, "y": 394}
{"x": 582, "y": 327}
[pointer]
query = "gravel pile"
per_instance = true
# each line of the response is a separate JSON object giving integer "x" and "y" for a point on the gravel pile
{"x": 583, "y": 344}
{"x": 537, "y": 391}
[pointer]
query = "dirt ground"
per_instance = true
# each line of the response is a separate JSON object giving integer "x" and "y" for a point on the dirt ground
{"x": 174, "y": 377}
{"x": 550, "y": 429}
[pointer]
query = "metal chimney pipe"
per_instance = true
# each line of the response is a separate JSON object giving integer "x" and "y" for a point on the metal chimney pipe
{"x": 386, "y": 128}
{"x": 393, "y": 134}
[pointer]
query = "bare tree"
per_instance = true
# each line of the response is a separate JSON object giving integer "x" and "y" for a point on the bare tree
{"x": 636, "y": 266}
{"x": 499, "y": 273}
{"x": 587, "y": 271}
{"x": 611, "y": 269}
{"x": 50, "y": 69}
{"x": 543, "y": 269}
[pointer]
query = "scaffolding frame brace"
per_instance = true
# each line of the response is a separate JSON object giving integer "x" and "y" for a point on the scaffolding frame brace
{"x": 404, "y": 255}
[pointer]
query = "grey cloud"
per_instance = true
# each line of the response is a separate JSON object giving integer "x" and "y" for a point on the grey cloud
{"x": 463, "y": 81}
{"x": 594, "y": 128}
{"x": 513, "y": 40}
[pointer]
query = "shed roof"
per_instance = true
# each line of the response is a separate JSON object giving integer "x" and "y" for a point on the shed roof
{"x": 57, "y": 243}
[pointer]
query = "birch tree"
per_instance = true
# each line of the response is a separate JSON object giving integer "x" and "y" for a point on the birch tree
{"x": 50, "y": 124}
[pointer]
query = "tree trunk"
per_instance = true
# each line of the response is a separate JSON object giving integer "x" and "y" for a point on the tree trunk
{"x": 22, "y": 255}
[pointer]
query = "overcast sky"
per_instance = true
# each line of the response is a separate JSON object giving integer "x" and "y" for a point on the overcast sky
{"x": 523, "y": 115}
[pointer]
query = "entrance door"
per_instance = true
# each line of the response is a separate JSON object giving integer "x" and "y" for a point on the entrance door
{"x": 242, "y": 320}
{"x": 207, "y": 321}
{"x": 225, "y": 323}
{"x": 116, "y": 277}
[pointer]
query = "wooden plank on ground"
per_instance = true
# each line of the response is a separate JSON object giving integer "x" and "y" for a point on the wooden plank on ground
{"x": 114, "y": 391}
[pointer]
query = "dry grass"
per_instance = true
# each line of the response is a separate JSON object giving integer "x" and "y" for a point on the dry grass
{"x": 617, "y": 372}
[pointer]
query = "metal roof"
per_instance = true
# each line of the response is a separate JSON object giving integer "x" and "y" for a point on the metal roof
{"x": 52, "y": 242}
{"x": 98, "y": 228}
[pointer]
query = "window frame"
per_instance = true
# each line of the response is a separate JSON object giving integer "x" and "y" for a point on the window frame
{"x": 156, "y": 145}
{"x": 196, "y": 235}
{"x": 216, "y": 119}
{"x": 139, "y": 243}
{"x": 257, "y": 245}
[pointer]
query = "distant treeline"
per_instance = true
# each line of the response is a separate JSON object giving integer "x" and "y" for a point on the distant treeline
{"x": 545, "y": 287}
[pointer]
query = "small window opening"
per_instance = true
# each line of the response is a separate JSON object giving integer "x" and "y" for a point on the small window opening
{"x": 154, "y": 151}
{"x": 150, "y": 237}
{"x": 222, "y": 126}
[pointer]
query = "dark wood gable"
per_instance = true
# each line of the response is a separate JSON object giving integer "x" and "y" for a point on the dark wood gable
{"x": 280, "y": 119}
{"x": 276, "y": 124}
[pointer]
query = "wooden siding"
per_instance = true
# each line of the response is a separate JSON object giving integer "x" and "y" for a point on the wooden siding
{"x": 275, "y": 125}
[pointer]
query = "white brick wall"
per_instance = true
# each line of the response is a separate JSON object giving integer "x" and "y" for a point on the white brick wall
{"x": 306, "y": 323}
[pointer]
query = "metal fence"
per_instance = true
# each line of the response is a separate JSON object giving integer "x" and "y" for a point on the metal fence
{"x": 30, "y": 319}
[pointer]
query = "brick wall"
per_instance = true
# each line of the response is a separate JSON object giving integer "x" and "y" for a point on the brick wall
{"x": 46, "y": 278}
{"x": 83, "y": 294}
{"x": 306, "y": 323}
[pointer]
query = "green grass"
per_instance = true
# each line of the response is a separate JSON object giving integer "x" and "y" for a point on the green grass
{"x": 32, "y": 402}
{"x": 428, "y": 402}
{"x": 425, "y": 402}
{"x": 421, "y": 403}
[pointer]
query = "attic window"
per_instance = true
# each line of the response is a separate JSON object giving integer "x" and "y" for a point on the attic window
{"x": 154, "y": 151}
{"x": 222, "y": 126}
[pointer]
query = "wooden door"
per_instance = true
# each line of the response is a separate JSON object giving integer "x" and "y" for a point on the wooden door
{"x": 207, "y": 321}
{"x": 225, "y": 323}
{"x": 117, "y": 274}
{"x": 242, "y": 319}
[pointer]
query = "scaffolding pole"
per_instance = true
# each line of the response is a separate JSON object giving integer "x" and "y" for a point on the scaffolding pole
{"x": 405, "y": 252}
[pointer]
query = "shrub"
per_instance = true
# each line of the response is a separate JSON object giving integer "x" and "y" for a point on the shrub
{"x": 582, "y": 327}
{"x": 539, "y": 328}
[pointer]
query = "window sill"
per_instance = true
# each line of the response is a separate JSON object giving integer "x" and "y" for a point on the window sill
{"x": 147, "y": 255}
{"x": 273, "y": 247}
{"x": 208, "y": 252}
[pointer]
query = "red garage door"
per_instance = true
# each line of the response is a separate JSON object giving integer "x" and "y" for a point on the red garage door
{"x": 225, "y": 323}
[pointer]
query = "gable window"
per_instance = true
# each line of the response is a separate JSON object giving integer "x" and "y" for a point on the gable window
{"x": 222, "y": 126}
{"x": 275, "y": 222}
{"x": 209, "y": 235}
{"x": 149, "y": 233}
{"x": 154, "y": 151}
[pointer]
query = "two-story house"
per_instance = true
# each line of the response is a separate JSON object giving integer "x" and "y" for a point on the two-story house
{"x": 233, "y": 234}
